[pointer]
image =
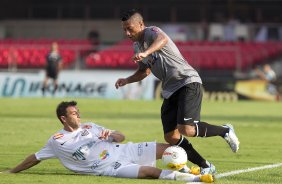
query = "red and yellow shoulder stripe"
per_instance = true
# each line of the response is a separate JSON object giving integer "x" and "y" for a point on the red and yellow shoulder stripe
{"x": 58, "y": 136}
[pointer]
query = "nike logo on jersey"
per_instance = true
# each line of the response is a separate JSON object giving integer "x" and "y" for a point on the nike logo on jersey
{"x": 186, "y": 119}
{"x": 64, "y": 142}
{"x": 69, "y": 139}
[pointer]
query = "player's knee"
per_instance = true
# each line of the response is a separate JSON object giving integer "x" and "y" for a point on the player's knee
{"x": 149, "y": 172}
{"x": 167, "y": 139}
{"x": 172, "y": 138}
{"x": 187, "y": 130}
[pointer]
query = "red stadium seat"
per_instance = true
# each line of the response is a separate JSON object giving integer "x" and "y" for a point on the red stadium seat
{"x": 203, "y": 55}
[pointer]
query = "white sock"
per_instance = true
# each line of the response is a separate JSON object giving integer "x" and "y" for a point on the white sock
{"x": 186, "y": 177}
{"x": 175, "y": 175}
{"x": 167, "y": 175}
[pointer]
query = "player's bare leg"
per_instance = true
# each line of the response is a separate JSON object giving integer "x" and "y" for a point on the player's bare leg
{"x": 55, "y": 84}
{"x": 44, "y": 85}
{"x": 160, "y": 148}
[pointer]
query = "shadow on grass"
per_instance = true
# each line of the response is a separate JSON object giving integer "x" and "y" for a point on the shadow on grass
{"x": 51, "y": 173}
{"x": 59, "y": 173}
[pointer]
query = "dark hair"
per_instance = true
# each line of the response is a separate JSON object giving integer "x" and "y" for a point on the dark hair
{"x": 127, "y": 14}
{"x": 62, "y": 108}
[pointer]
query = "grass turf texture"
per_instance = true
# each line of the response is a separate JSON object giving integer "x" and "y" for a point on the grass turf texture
{"x": 26, "y": 124}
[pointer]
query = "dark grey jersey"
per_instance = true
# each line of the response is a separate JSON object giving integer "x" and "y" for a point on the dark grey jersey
{"x": 53, "y": 60}
{"x": 167, "y": 64}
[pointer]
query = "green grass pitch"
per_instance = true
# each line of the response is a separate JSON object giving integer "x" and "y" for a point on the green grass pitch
{"x": 26, "y": 124}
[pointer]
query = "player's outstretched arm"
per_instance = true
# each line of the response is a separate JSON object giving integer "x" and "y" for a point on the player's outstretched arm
{"x": 137, "y": 76}
{"x": 29, "y": 162}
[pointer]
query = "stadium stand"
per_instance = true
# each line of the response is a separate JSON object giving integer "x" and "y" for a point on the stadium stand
{"x": 116, "y": 56}
{"x": 203, "y": 55}
{"x": 32, "y": 53}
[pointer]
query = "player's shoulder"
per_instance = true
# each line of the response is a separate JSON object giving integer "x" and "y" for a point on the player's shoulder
{"x": 88, "y": 125}
{"x": 151, "y": 32}
{"x": 57, "y": 135}
{"x": 152, "y": 29}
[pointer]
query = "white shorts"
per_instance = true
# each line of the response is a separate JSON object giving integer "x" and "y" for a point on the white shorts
{"x": 135, "y": 155}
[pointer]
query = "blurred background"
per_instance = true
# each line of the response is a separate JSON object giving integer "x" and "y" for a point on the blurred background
{"x": 227, "y": 41}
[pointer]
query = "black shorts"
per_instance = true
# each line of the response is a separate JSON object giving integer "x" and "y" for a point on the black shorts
{"x": 52, "y": 74}
{"x": 183, "y": 107}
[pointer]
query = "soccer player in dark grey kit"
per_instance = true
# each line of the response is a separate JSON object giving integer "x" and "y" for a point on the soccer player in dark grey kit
{"x": 53, "y": 67}
{"x": 182, "y": 88}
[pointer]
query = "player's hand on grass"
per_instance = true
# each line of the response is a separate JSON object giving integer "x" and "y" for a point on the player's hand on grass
{"x": 8, "y": 171}
{"x": 120, "y": 82}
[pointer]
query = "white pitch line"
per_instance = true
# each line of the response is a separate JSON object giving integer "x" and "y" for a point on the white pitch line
{"x": 243, "y": 171}
{"x": 247, "y": 170}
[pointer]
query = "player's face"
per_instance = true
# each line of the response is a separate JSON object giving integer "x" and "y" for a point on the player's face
{"x": 73, "y": 117}
{"x": 132, "y": 29}
{"x": 54, "y": 47}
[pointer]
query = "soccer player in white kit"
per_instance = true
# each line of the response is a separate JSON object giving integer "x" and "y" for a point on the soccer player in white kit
{"x": 92, "y": 149}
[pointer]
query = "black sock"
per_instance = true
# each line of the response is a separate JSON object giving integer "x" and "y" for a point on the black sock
{"x": 43, "y": 91}
{"x": 192, "y": 154}
{"x": 55, "y": 89}
{"x": 204, "y": 129}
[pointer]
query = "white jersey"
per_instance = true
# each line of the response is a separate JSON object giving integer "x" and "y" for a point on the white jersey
{"x": 82, "y": 151}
